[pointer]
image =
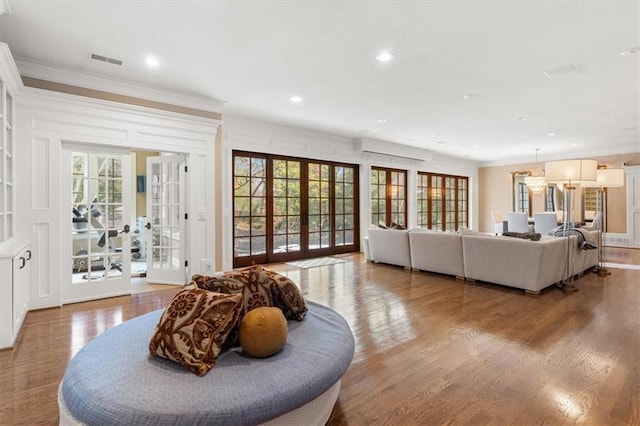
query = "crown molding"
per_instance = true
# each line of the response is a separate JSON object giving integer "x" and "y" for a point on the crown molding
{"x": 9, "y": 70}
{"x": 97, "y": 82}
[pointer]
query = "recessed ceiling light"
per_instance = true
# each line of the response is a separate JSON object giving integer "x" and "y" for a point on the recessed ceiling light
{"x": 384, "y": 56}
{"x": 381, "y": 121}
{"x": 474, "y": 146}
{"x": 630, "y": 51}
{"x": 152, "y": 61}
{"x": 441, "y": 142}
{"x": 295, "y": 99}
{"x": 551, "y": 134}
{"x": 522, "y": 118}
{"x": 470, "y": 96}
{"x": 574, "y": 144}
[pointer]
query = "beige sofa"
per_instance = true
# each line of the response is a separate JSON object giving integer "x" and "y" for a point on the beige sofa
{"x": 439, "y": 252}
{"x": 389, "y": 246}
{"x": 525, "y": 264}
{"x": 529, "y": 265}
{"x": 514, "y": 262}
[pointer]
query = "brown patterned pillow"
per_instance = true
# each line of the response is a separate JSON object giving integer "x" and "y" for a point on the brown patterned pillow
{"x": 259, "y": 287}
{"x": 286, "y": 296}
{"x": 193, "y": 328}
{"x": 255, "y": 292}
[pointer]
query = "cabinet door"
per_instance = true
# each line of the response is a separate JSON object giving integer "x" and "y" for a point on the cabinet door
{"x": 21, "y": 283}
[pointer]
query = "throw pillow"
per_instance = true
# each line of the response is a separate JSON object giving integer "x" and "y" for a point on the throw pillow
{"x": 466, "y": 231}
{"x": 286, "y": 295}
{"x": 396, "y": 226}
{"x": 259, "y": 287}
{"x": 193, "y": 328}
{"x": 263, "y": 332}
{"x": 533, "y": 236}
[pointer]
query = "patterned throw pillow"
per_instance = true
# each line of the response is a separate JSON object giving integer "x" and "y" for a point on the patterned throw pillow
{"x": 193, "y": 328}
{"x": 259, "y": 287}
{"x": 255, "y": 293}
{"x": 286, "y": 296}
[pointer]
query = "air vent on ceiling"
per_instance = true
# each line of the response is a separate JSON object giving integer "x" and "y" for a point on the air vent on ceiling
{"x": 106, "y": 59}
{"x": 558, "y": 71}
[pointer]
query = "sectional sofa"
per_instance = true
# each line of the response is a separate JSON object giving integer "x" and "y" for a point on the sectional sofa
{"x": 529, "y": 265}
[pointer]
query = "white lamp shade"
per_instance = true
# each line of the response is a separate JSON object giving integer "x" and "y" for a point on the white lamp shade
{"x": 571, "y": 171}
{"x": 608, "y": 178}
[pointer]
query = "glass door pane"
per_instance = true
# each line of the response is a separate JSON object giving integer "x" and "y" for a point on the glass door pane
{"x": 320, "y": 208}
{"x": 286, "y": 206}
{"x": 250, "y": 206}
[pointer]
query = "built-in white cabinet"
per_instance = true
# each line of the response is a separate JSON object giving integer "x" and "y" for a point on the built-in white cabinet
{"x": 9, "y": 86}
{"x": 15, "y": 280}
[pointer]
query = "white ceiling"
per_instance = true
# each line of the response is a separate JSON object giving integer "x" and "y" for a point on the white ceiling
{"x": 255, "y": 55}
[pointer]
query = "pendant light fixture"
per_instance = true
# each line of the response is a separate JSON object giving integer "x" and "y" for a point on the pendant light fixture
{"x": 535, "y": 183}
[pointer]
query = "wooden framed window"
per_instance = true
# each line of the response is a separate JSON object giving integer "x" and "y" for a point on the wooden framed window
{"x": 388, "y": 196}
{"x": 443, "y": 201}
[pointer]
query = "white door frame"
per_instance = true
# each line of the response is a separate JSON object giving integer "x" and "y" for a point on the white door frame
{"x": 99, "y": 287}
{"x": 47, "y": 119}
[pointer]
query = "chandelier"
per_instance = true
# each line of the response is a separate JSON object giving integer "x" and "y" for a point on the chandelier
{"x": 535, "y": 183}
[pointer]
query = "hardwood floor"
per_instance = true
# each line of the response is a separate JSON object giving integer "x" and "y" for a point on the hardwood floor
{"x": 430, "y": 349}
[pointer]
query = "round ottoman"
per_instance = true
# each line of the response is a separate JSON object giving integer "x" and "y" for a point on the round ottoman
{"x": 114, "y": 380}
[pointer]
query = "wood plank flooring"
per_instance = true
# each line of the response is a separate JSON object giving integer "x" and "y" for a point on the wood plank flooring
{"x": 430, "y": 349}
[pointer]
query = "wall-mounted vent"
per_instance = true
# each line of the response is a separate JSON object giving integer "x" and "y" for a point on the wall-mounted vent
{"x": 374, "y": 146}
{"x": 562, "y": 70}
{"x": 106, "y": 59}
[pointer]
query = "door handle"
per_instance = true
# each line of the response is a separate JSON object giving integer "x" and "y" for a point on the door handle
{"x": 29, "y": 253}
{"x": 148, "y": 225}
{"x": 23, "y": 262}
{"x": 126, "y": 229}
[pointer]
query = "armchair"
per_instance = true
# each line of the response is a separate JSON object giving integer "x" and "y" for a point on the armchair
{"x": 517, "y": 222}
{"x": 543, "y": 223}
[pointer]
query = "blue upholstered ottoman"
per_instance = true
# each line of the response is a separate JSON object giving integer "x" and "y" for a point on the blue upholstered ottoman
{"x": 113, "y": 379}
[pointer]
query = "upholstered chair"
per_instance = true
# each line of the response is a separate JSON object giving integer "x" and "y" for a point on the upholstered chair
{"x": 518, "y": 222}
{"x": 497, "y": 222}
{"x": 544, "y": 222}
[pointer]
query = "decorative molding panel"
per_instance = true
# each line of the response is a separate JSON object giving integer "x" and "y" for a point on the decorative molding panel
{"x": 82, "y": 130}
{"x": 42, "y": 253}
{"x": 40, "y": 160}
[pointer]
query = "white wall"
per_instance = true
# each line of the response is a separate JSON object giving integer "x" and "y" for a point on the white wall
{"x": 249, "y": 135}
{"x": 47, "y": 120}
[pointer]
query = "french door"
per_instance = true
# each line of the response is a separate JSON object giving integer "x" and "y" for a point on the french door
{"x": 290, "y": 208}
{"x": 97, "y": 189}
{"x": 166, "y": 220}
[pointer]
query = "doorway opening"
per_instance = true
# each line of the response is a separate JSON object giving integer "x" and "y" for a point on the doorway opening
{"x": 116, "y": 195}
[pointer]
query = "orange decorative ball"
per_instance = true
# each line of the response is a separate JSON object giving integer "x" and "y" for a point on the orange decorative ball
{"x": 263, "y": 331}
